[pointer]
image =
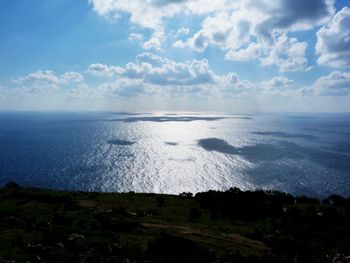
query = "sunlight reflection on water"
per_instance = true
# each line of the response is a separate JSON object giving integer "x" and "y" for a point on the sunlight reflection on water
{"x": 176, "y": 153}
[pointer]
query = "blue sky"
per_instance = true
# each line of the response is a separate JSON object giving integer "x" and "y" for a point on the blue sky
{"x": 200, "y": 55}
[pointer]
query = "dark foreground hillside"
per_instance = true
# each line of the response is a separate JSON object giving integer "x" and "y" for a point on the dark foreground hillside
{"x": 233, "y": 226}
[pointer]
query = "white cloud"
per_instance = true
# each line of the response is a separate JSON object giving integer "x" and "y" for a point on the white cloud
{"x": 150, "y": 13}
{"x": 48, "y": 78}
{"x": 230, "y": 25}
{"x": 135, "y": 37}
{"x": 155, "y": 42}
{"x": 216, "y": 30}
{"x": 233, "y": 26}
{"x": 278, "y": 82}
{"x": 179, "y": 44}
{"x": 286, "y": 53}
{"x": 250, "y": 29}
{"x": 231, "y": 78}
{"x": 253, "y": 51}
{"x": 156, "y": 70}
{"x": 232, "y": 84}
{"x": 104, "y": 70}
{"x": 152, "y": 74}
{"x": 43, "y": 77}
{"x": 45, "y": 82}
{"x": 158, "y": 77}
{"x": 335, "y": 84}
{"x": 333, "y": 40}
{"x": 151, "y": 58}
{"x": 195, "y": 72}
{"x": 182, "y": 31}
{"x": 147, "y": 14}
{"x": 71, "y": 76}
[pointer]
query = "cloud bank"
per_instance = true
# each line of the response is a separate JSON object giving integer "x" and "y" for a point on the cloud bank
{"x": 197, "y": 52}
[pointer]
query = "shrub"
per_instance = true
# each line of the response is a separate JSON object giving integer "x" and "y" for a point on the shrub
{"x": 188, "y": 195}
{"x": 12, "y": 185}
{"x": 169, "y": 248}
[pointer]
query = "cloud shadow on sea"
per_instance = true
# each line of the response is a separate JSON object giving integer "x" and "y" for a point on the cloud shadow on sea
{"x": 299, "y": 117}
{"x": 182, "y": 159}
{"x": 253, "y": 153}
{"x": 120, "y": 142}
{"x": 281, "y": 150}
{"x": 327, "y": 131}
{"x": 287, "y": 135}
{"x": 282, "y": 165}
{"x": 171, "y": 143}
{"x": 217, "y": 145}
{"x": 343, "y": 146}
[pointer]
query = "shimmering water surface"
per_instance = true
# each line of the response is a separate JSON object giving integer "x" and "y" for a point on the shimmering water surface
{"x": 171, "y": 153}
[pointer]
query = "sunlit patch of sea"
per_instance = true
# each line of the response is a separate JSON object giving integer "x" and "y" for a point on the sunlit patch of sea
{"x": 172, "y": 153}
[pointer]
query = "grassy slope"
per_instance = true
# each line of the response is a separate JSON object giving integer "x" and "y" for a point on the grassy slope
{"x": 47, "y": 226}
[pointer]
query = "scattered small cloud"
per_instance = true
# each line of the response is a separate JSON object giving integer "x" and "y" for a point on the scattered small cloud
{"x": 137, "y": 37}
{"x": 182, "y": 31}
{"x": 104, "y": 70}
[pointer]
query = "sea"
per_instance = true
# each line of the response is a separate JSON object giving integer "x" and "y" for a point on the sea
{"x": 299, "y": 153}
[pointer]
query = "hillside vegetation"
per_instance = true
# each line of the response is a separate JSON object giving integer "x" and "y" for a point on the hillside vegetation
{"x": 39, "y": 225}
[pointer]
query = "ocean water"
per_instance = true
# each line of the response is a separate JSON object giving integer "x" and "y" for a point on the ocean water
{"x": 171, "y": 153}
